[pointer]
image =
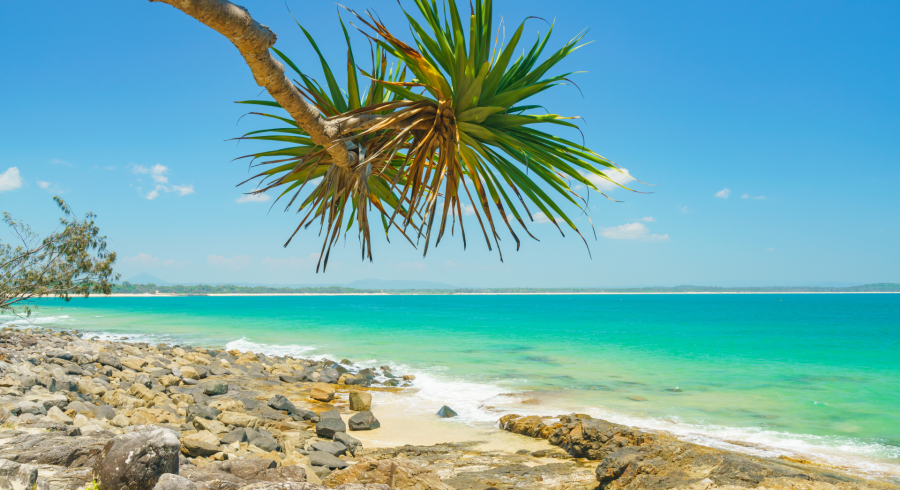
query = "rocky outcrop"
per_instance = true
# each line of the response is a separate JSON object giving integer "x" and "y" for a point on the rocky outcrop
{"x": 398, "y": 474}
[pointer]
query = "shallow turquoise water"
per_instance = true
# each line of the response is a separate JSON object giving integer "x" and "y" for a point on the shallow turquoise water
{"x": 798, "y": 373}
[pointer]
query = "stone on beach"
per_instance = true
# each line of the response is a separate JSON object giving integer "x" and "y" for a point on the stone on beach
{"x": 136, "y": 460}
{"x": 360, "y": 401}
{"x": 446, "y": 412}
{"x": 322, "y": 392}
{"x": 327, "y": 428}
{"x": 169, "y": 481}
{"x": 328, "y": 460}
{"x": 213, "y": 388}
{"x": 364, "y": 421}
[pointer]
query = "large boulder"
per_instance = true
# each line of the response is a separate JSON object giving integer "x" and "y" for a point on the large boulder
{"x": 401, "y": 473}
{"x": 136, "y": 460}
{"x": 15, "y": 476}
{"x": 107, "y": 359}
{"x": 353, "y": 445}
{"x": 335, "y": 448}
{"x": 327, "y": 428}
{"x": 364, "y": 421}
{"x": 322, "y": 392}
{"x": 197, "y": 448}
{"x": 360, "y": 401}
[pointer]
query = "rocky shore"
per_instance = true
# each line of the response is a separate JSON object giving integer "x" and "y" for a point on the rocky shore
{"x": 85, "y": 413}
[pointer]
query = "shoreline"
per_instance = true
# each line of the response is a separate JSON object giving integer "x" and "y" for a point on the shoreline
{"x": 397, "y": 428}
{"x": 174, "y": 295}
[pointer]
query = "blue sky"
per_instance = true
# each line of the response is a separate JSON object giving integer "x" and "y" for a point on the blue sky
{"x": 770, "y": 129}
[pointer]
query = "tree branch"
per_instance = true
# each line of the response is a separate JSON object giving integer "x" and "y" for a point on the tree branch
{"x": 253, "y": 40}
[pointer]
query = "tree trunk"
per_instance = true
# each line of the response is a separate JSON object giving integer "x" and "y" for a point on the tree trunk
{"x": 253, "y": 40}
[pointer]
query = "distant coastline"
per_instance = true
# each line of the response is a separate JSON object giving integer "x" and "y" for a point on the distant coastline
{"x": 150, "y": 290}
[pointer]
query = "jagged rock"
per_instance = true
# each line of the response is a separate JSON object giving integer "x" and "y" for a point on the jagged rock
{"x": 107, "y": 359}
{"x": 360, "y": 401}
{"x": 328, "y": 460}
{"x": 169, "y": 481}
{"x": 446, "y": 412}
{"x": 364, "y": 421}
{"x": 401, "y": 473}
{"x": 15, "y": 476}
{"x": 195, "y": 448}
{"x": 136, "y": 460}
{"x": 202, "y": 411}
{"x": 327, "y": 428}
{"x": 353, "y": 445}
{"x": 228, "y": 406}
{"x": 238, "y": 419}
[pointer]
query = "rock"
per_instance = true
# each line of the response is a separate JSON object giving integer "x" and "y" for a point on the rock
{"x": 353, "y": 445}
{"x": 214, "y": 388}
{"x": 401, "y": 474}
{"x": 15, "y": 476}
{"x": 238, "y": 419}
{"x": 5, "y": 414}
{"x": 228, "y": 406}
{"x": 263, "y": 440}
{"x": 136, "y": 460}
{"x": 187, "y": 372}
{"x": 280, "y": 402}
{"x": 169, "y": 481}
{"x": 322, "y": 392}
{"x": 110, "y": 360}
{"x": 26, "y": 407}
{"x": 202, "y": 411}
{"x": 195, "y": 448}
{"x": 446, "y": 412}
{"x": 321, "y": 458}
{"x": 335, "y": 448}
{"x": 288, "y": 379}
{"x": 120, "y": 420}
{"x": 237, "y": 435}
{"x": 218, "y": 370}
{"x": 330, "y": 414}
{"x": 327, "y": 428}
{"x": 103, "y": 412}
{"x": 284, "y": 473}
{"x": 328, "y": 375}
{"x": 364, "y": 421}
{"x": 360, "y": 401}
{"x": 213, "y": 426}
{"x": 57, "y": 415}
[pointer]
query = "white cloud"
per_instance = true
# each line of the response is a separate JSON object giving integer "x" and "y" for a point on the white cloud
{"x": 724, "y": 193}
{"x": 57, "y": 161}
{"x": 158, "y": 174}
{"x": 43, "y": 185}
{"x": 451, "y": 264}
{"x": 236, "y": 262}
{"x": 253, "y": 198}
{"x": 10, "y": 180}
{"x": 540, "y": 217}
{"x": 648, "y": 219}
{"x": 291, "y": 262}
{"x": 467, "y": 209}
{"x": 147, "y": 260}
{"x": 684, "y": 209}
{"x": 633, "y": 231}
{"x": 182, "y": 190}
{"x": 620, "y": 176}
{"x": 755, "y": 198}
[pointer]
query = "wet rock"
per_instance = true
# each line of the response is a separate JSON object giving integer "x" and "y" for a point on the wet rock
{"x": 169, "y": 481}
{"x": 330, "y": 461}
{"x": 322, "y": 392}
{"x": 360, "y": 401}
{"x": 364, "y": 421}
{"x": 446, "y": 412}
{"x": 327, "y": 428}
{"x": 135, "y": 461}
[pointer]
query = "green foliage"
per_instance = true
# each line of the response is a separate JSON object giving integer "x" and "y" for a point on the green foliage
{"x": 71, "y": 261}
{"x": 462, "y": 128}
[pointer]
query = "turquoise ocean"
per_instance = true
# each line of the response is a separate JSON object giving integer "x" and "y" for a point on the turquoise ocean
{"x": 813, "y": 376}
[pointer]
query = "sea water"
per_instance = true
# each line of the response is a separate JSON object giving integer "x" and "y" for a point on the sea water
{"x": 804, "y": 375}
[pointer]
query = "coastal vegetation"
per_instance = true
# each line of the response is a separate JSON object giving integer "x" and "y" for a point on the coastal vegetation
{"x": 202, "y": 289}
{"x": 70, "y": 261}
{"x": 446, "y": 127}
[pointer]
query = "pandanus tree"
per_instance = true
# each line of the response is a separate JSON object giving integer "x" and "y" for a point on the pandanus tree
{"x": 443, "y": 128}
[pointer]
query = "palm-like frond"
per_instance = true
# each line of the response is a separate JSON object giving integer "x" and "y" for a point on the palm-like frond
{"x": 460, "y": 130}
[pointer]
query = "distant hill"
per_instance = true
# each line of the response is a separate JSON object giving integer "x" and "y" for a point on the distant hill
{"x": 144, "y": 278}
{"x": 394, "y": 287}
{"x": 396, "y": 284}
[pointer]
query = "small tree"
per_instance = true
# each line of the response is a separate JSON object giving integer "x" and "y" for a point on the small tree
{"x": 71, "y": 261}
